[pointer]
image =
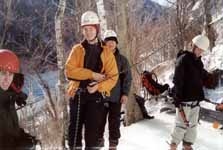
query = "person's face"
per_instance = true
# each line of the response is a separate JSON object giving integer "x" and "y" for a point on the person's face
{"x": 89, "y": 32}
{"x": 6, "y": 78}
{"x": 111, "y": 45}
{"x": 198, "y": 52}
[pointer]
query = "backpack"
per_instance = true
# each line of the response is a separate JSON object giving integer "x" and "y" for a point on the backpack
{"x": 151, "y": 84}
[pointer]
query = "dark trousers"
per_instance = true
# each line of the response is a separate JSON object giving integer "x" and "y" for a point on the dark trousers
{"x": 89, "y": 118}
{"x": 112, "y": 111}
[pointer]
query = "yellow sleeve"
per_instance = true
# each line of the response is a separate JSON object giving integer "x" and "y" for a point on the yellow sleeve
{"x": 73, "y": 68}
{"x": 111, "y": 72}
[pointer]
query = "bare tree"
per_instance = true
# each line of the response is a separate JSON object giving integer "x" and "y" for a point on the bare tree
{"x": 101, "y": 14}
{"x": 7, "y": 16}
{"x": 121, "y": 9}
{"x": 59, "y": 17}
{"x": 208, "y": 29}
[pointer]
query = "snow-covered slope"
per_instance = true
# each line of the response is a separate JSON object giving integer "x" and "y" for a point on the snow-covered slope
{"x": 145, "y": 11}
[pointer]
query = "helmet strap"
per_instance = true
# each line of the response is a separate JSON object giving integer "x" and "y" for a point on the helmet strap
{"x": 94, "y": 40}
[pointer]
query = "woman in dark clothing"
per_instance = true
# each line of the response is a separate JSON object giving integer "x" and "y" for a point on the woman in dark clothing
{"x": 119, "y": 93}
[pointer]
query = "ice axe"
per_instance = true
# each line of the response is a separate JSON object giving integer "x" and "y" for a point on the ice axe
{"x": 183, "y": 116}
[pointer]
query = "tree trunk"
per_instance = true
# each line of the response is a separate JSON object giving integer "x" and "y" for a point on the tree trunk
{"x": 8, "y": 19}
{"x": 46, "y": 88}
{"x": 209, "y": 31}
{"x": 132, "y": 109}
{"x": 60, "y": 62}
{"x": 101, "y": 14}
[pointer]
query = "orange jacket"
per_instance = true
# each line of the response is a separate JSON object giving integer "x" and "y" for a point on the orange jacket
{"x": 74, "y": 69}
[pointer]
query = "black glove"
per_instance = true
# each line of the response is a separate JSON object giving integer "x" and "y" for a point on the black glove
{"x": 212, "y": 81}
{"x": 17, "y": 83}
{"x": 20, "y": 99}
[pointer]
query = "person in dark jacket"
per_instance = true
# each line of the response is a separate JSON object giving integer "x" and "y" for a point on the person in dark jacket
{"x": 119, "y": 94}
{"x": 11, "y": 81}
{"x": 92, "y": 72}
{"x": 188, "y": 81}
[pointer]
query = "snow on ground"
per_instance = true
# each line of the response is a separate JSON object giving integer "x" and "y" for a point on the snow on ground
{"x": 154, "y": 134}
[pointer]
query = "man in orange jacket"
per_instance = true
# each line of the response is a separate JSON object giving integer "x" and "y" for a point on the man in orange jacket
{"x": 92, "y": 72}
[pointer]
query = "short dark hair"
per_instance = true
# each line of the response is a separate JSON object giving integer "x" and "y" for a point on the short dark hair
{"x": 111, "y": 39}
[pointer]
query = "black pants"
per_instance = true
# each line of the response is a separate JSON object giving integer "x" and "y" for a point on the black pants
{"x": 113, "y": 113}
{"x": 89, "y": 117}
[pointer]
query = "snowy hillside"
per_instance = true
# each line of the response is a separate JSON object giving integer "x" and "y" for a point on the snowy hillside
{"x": 146, "y": 11}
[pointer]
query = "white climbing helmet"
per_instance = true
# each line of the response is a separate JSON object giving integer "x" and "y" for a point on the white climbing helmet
{"x": 201, "y": 41}
{"x": 109, "y": 33}
{"x": 89, "y": 18}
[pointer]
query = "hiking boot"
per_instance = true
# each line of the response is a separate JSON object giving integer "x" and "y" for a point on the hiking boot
{"x": 113, "y": 144}
{"x": 101, "y": 142}
{"x": 173, "y": 146}
{"x": 187, "y": 147}
{"x": 148, "y": 117}
{"x": 112, "y": 147}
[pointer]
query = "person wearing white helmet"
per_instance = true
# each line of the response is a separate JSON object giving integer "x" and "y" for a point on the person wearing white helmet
{"x": 189, "y": 77}
{"x": 92, "y": 72}
{"x": 90, "y": 20}
{"x": 119, "y": 94}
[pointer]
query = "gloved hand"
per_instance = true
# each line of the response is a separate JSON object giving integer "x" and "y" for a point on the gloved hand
{"x": 212, "y": 81}
{"x": 20, "y": 99}
{"x": 17, "y": 83}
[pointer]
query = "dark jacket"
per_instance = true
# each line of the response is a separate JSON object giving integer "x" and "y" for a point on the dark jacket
{"x": 188, "y": 78}
{"x": 11, "y": 135}
{"x": 9, "y": 125}
{"x": 123, "y": 84}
